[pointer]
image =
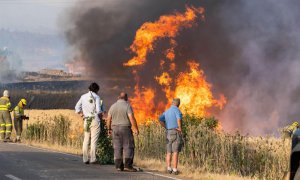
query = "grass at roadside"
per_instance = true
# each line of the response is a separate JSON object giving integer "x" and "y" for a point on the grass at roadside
{"x": 206, "y": 154}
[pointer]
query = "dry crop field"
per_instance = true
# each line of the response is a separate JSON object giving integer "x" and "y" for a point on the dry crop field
{"x": 207, "y": 153}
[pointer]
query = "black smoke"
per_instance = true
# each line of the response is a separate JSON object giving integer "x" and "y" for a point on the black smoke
{"x": 249, "y": 51}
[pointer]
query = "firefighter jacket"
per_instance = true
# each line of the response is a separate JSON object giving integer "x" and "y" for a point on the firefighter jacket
{"x": 5, "y": 104}
{"x": 19, "y": 111}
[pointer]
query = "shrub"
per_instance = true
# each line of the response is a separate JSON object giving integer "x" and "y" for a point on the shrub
{"x": 105, "y": 152}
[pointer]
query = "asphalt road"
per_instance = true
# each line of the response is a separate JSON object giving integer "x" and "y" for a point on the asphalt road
{"x": 18, "y": 161}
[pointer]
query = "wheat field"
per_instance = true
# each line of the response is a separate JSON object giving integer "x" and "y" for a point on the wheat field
{"x": 207, "y": 154}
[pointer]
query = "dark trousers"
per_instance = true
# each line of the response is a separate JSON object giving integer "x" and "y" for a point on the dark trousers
{"x": 123, "y": 143}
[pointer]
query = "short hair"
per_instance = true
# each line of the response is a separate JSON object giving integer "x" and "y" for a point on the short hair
{"x": 123, "y": 95}
{"x": 176, "y": 101}
{"x": 94, "y": 87}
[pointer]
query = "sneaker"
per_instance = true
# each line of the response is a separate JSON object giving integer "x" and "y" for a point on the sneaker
{"x": 94, "y": 163}
{"x": 169, "y": 171}
{"x": 176, "y": 172}
{"x": 120, "y": 169}
{"x": 130, "y": 169}
{"x": 87, "y": 162}
{"x": 8, "y": 140}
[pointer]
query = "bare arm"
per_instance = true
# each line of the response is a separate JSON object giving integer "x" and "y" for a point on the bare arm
{"x": 162, "y": 121}
{"x": 109, "y": 118}
{"x": 163, "y": 124}
{"x": 133, "y": 124}
{"x": 179, "y": 125}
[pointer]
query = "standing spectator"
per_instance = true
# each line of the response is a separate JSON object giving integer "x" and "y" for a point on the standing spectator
{"x": 121, "y": 123}
{"x": 89, "y": 106}
{"x": 171, "y": 120}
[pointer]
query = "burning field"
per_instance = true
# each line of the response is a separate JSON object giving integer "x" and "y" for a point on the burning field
{"x": 233, "y": 60}
{"x": 169, "y": 79}
{"x": 190, "y": 85}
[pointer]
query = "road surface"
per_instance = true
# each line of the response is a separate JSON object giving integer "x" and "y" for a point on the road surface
{"x": 21, "y": 162}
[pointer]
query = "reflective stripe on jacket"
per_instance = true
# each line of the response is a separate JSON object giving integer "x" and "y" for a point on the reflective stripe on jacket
{"x": 5, "y": 104}
{"x": 18, "y": 112}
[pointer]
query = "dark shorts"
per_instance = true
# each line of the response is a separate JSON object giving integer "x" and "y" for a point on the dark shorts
{"x": 174, "y": 141}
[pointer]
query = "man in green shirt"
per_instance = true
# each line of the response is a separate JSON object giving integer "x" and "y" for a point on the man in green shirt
{"x": 122, "y": 124}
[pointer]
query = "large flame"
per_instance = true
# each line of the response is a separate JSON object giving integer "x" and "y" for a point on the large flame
{"x": 165, "y": 27}
{"x": 190, "y": 86}
{"x": 195, "y": 92}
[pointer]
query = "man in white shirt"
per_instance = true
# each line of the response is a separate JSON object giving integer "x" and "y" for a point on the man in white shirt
{"x": 89, "y": 106}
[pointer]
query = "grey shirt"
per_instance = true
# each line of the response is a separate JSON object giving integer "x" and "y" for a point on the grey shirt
{"x": 119, "y": 112}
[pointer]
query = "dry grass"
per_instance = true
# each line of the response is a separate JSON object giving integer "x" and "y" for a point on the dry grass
{"x": 206, "y": 155}
{"x": 159, "y": 165}
{"x": 45, "y": 115}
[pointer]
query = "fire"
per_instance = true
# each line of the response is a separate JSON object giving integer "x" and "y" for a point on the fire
{"x": 76, "y": 66}
{"x": 190, "y": 86}
{"x": 143, "y": 96}
{"x": 195, "y": 92}
{"x": 166, "y": 27}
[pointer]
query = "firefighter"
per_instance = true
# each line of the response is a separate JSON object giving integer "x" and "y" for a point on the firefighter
{"x": 5, "y": 118}
{"x": 289, "y": 130}
{"x": 293, "y": 131}
{"x": 19, "y": 117}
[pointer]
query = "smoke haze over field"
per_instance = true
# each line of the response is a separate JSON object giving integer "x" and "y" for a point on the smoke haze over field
{"x": 249, "y": 50}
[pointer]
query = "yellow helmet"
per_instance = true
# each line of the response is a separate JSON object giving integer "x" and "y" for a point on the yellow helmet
{"x": 24, "y": 101}
{"x": 295, "y": 124}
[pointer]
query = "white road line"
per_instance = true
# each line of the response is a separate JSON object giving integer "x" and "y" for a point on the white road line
{"x": 50, "y": 150}
{"x": 12, "y": 177}
{"x": 161, "y": 175}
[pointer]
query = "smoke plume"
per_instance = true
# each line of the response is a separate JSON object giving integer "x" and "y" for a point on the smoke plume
{"x": 10, "y": 64}
{"x": 248, "y": 50}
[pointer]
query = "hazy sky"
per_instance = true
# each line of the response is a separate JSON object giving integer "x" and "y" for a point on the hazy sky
{"x": 33, "y": 15}
{"x": 36, "y": 16}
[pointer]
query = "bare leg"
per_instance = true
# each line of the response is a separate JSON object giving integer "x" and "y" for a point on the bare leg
{"x": 175, "y": 160}
{"x": 168, "y": 159}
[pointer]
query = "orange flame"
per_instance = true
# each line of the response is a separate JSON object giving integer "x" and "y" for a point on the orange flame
{"x": 143, "y": 103}
{"x": 195, "y": 92}
{"x": 190, "y": 86}
{"x": 166, "y": 26}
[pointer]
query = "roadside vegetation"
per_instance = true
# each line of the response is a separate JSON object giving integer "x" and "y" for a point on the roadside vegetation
{"x": 206, "y": 149}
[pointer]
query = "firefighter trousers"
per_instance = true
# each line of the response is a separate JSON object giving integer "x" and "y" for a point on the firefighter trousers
{"x": 18, "y": 124}
{"x": 5, "y": 125}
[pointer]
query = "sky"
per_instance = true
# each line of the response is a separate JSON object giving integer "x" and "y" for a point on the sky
{"x": 40, "y": 18}
{"x": 33, "y": 15}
